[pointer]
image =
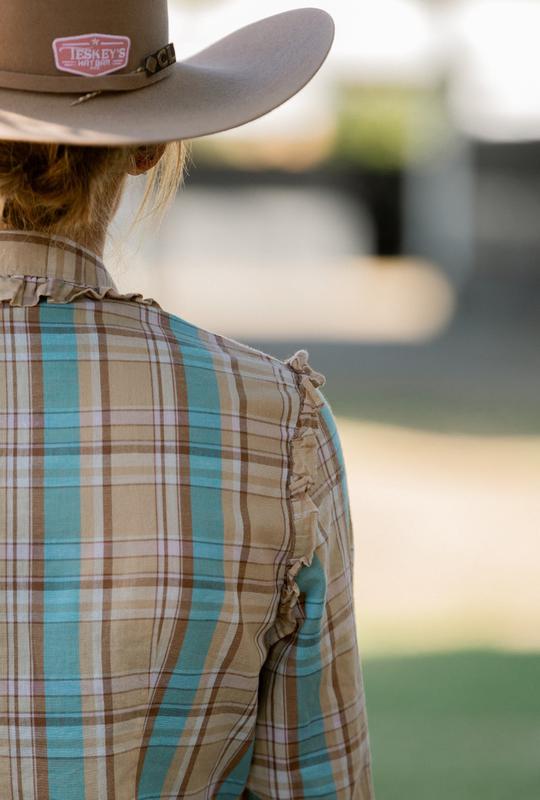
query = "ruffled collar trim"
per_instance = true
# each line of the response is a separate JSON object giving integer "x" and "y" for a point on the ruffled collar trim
{"x": 35, "y": 265}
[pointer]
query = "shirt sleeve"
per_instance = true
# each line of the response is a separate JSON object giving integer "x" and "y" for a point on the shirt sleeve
{"x": 311, "y": 735}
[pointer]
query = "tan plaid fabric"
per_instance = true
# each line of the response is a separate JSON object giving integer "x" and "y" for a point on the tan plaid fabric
{"x": 176, "y": 554}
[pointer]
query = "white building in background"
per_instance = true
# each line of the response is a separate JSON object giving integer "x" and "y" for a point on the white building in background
{"x": 495, "y": 67}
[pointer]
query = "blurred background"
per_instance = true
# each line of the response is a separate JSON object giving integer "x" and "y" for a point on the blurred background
{"x": 387, "y": 219}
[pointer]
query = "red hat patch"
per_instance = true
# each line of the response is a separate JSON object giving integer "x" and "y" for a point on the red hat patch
{"x": 91, "y": 54}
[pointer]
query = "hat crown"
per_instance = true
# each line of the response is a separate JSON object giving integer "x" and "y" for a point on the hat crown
{"x": 29, "y": 29}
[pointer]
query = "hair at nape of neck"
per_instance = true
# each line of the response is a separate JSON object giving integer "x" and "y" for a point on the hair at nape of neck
{"x": 65, "y": 189}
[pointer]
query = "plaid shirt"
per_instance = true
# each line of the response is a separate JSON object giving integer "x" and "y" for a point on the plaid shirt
{"x": 176, "y": 554}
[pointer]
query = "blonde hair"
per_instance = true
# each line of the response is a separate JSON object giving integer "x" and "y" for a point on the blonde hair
{"x": 64, "y": 188}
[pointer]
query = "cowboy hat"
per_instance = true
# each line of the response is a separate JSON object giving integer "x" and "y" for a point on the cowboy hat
{"x": 105, "y": 73}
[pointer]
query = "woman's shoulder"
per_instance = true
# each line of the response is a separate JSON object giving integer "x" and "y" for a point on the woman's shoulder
{"x": 248, "y": 363}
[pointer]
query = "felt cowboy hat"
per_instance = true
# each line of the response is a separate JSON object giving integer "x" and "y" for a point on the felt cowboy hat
{"x": 103, "y": 72}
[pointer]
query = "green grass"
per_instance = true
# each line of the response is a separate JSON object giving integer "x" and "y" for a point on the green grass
{"x": 455, "y": 726}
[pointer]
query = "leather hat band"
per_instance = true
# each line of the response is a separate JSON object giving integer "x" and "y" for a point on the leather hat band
{"x": 156, "y": 66}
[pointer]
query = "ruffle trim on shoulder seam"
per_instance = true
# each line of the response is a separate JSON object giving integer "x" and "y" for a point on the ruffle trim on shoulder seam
{"x": 304, "y": 464}
{"x": 26, "y": 290}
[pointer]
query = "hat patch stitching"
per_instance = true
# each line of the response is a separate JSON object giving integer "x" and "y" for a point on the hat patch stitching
{"x": 91, "y": 54}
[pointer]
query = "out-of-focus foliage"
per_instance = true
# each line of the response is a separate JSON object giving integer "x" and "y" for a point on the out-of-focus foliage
{"x": 387, "y": 126}
{"x": 379, "y": 126}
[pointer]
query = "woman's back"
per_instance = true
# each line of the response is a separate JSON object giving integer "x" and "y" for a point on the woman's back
{"x": 177, "y": 613}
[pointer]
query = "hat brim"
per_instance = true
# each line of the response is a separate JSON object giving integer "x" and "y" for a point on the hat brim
{"x": 235, "y": 80}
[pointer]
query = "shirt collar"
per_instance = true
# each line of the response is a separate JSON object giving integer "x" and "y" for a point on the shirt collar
{"x": 49, "y": 255}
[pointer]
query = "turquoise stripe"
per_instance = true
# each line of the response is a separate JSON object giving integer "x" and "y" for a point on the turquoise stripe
{"x": 62, "y": 528}
{"x": 233, "y": 786}
{"x": 207, "y": 540}
{"x": 329, "y": 419}
{"x": 315, "y": 762}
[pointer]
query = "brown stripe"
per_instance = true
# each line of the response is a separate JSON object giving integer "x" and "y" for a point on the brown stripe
{"x": 95, "y": 719}
{"x": 91, "y": 448}
{"x": 37, "y": 627}
{"x": 198, "y": 747}
{"x": 79, "y": 266}
{"x": 130, "y": 581}
{"x": 107, "y": 561}
{"x": 160, "y": 447}
{"x": 181, "y": 405}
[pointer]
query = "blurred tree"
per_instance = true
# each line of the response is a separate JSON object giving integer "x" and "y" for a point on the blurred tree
{"x": 385, "y": 126}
